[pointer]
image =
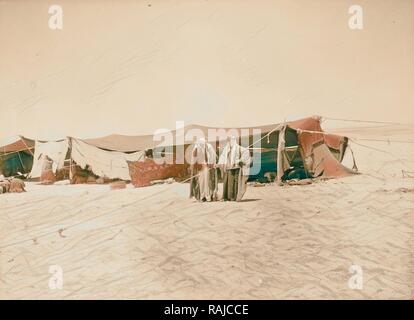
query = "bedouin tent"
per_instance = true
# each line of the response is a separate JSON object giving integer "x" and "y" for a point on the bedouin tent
{"x": 304, "y": 143}
{"x": 55, "y": 151}
{"x": 281, "y": 146}
{"x": 16, "y": 155}
{"x": 296, "y": 144}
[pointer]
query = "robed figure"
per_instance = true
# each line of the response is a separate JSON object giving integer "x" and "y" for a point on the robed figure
{"x": 234, "y": 163}
{"x": 204, "y": 181}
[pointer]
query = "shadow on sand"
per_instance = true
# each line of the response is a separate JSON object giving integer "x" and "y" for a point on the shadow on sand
{"x": 249, "y": 200}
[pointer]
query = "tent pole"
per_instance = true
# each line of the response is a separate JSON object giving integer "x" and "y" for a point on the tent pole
{"x": 27, "y": 147}
{"x": 280, "y": 150}
{"x": 21, "y": 161}
{"x": 71, "y": 162}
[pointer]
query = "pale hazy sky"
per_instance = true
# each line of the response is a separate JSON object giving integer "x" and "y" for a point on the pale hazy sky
{"x": 134, "y": 66}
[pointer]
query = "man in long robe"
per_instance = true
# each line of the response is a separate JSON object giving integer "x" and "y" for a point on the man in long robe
{"x": 203, "y": 184}
{"x": 234, "y": 163}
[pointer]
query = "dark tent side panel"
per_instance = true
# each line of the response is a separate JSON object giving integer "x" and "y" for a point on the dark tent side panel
{"x": 265, "y": 161}
{"x": 263, "y": 149}
{"x": 12, "y": 164}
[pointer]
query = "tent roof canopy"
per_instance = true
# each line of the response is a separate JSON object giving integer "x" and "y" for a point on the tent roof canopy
{"x": 123, "y": 143}
{"x": 16, "y": 144}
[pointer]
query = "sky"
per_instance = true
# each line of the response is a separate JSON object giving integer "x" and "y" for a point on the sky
{"x": 131, "y": 67}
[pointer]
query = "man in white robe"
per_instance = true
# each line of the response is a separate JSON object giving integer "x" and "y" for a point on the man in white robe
{"x": 203, "y": 184}
{"x": 234, "y": 163}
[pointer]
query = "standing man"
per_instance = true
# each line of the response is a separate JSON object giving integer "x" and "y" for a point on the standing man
{"x": 203, "y": 184}
{"x": 235, "y": 163}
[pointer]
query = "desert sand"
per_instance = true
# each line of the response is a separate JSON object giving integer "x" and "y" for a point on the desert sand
{"x": 281, "y": 242}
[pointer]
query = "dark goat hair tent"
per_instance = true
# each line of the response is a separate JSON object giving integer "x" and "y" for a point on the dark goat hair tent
{"x": 302, "y": 144}
{"x": 299, "y": 144}
{"x": 16, "y": 156}
{"x": 277, "y": 150}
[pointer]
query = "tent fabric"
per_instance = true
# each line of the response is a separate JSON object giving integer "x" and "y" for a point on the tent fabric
{"x": 55, "y": 150}
{"x": 313, "y": 124}
{"x": 318, "y": 159}
{"x": 16, "y": 155}
{"x": 324, "y": 164}
{"x": 145, "y": 171}
{"x": 303, "y": 134}
{"x": 14, "y": 163}
{"x": 16, "y": 144}
{"x": 116, "y": 142}
{"x": 108, "y": 156}
{"x": 103, "y": 163}
{"x": 122, "y": 143}
{"x": 182, "y": 136}
{"x": 321, "y": 153}
{"x": 308, "y": 139}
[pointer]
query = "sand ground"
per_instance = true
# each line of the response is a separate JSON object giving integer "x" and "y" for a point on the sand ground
{"x": 279, "y": 243}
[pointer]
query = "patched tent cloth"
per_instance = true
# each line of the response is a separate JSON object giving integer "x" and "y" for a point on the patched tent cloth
{"x": 55, "y": 150}
{"x": 103, "y": 163}
{"x": 322, "y": 153}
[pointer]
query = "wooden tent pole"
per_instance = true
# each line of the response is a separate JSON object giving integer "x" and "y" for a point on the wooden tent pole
{"x": 280, "y": 149}
{"x": 21, "y": 161}
{"x": 27, "y": 147}
{"x": 71, "y": 162}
